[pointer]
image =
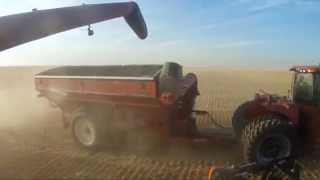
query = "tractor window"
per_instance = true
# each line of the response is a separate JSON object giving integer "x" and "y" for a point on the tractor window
{"x": 304, "y": 87}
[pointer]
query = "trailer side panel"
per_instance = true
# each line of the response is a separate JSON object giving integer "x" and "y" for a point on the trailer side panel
{"x": 107, "y": 87}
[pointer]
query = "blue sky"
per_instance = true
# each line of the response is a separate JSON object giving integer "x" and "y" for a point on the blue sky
{"x": 245, "y": 33}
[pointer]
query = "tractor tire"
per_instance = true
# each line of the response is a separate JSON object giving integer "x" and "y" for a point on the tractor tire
{"x": 238, "y": 120}
{"x": 87, "y": 131}
{"x": 268, "y": 138}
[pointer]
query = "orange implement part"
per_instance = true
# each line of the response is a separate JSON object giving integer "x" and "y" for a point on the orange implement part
{"x": 211, "y": 173}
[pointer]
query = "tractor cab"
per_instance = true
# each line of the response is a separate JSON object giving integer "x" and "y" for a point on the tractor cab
{"x": 306, "y": 84}
{"x": 272, "y": 127}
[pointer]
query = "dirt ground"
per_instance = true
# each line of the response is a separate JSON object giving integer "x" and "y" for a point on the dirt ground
{"x": 34, "y": 145}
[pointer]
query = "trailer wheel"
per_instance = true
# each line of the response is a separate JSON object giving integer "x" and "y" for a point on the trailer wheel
{"x": 238, "y": 120}
{"x": 268, "y": 138}
{"x": 87, "y": 131}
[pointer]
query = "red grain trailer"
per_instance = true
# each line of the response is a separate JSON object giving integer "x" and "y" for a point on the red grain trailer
{"x": 105, "y": 103}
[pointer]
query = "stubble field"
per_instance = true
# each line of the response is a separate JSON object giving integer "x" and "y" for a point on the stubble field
{"x": 34, "y": 145}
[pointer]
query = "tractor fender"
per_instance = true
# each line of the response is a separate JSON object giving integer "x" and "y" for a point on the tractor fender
{"x": 284, "y": 109}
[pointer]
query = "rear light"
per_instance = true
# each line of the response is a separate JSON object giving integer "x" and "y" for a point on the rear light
{"x": 167, "y": 98}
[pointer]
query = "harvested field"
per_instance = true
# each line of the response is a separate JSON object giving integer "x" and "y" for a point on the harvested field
{"x": 35, "y": 145}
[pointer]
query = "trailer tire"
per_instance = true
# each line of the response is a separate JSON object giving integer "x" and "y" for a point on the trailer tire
{"x": 238, "y": 120}
{"x": 87, "y": 131}
{"x": 269, "y": 137}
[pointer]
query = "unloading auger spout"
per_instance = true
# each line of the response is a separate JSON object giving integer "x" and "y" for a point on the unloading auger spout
{"x": 25, "y": 27}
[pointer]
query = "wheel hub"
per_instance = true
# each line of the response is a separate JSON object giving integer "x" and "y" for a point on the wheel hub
{"x": 85, "y": 132}
{"x": 274, "y": 147}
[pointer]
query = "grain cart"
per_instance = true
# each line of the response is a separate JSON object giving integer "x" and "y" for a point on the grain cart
{"x": 107, "y": 104}
{"x": 272, "y": 126}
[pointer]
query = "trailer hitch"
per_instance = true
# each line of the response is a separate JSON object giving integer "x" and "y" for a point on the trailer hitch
{"x": 206, "y": 113}
{"x": 281, "y": 169}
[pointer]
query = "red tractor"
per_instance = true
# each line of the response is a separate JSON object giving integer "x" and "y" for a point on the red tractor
{"x": 271, "y": 126}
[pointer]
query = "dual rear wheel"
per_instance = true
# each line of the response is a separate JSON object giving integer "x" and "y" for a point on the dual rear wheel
{"x": 268, "y": 138}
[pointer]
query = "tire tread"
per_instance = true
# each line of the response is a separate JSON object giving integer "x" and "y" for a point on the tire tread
{"x": 259, "y": 127}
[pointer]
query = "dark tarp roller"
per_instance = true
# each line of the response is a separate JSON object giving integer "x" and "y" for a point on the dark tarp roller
{"x": 22, "y": 28}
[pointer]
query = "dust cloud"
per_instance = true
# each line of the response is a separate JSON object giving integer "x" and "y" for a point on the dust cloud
{"x": 20, "y": 104}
